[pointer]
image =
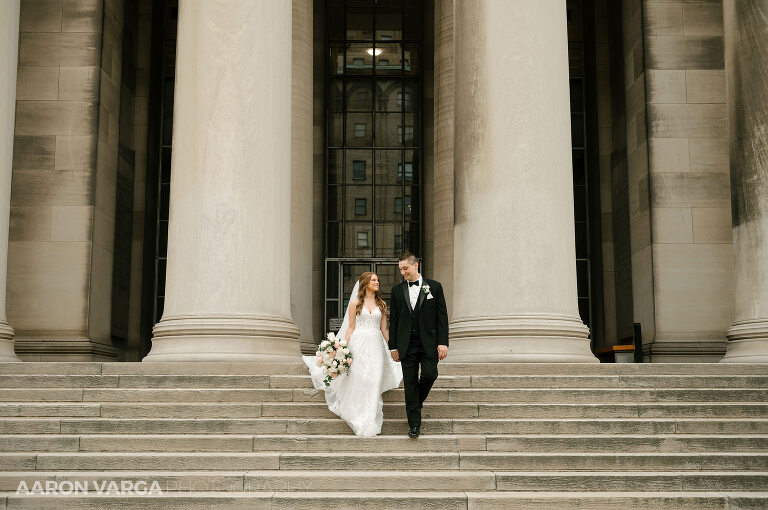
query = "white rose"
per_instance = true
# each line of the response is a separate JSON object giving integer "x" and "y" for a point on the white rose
{"x": 331, "y": 337}
{"x": 324, "y": 343}
{"x": 346, "y": 350}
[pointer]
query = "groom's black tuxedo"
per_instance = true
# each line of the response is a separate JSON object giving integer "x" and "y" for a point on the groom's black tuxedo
{"x": 415, "y": 333}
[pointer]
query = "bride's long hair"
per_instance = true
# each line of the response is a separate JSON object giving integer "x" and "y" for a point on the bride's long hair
{"x": 364, "y": 280}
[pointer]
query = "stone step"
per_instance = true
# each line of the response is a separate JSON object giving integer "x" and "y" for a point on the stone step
{"x": 295, "y": 480}
{"x": 445, "y": 368}
{"x": 391, "y": 410}
{"x": 523, "y": 395}
{"x": 393, "y": 461}
{"x": 390, "y": 426}
{"x": 444, "y": 381}
{"x": 389, "y": 443}
{"x": 270, "y": 500}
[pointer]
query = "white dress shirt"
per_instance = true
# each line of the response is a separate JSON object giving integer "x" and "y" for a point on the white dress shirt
{"x": 413, "y": 291}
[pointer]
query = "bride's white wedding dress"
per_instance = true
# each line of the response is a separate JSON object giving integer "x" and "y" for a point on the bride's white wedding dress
{"x": 356, "y": 395}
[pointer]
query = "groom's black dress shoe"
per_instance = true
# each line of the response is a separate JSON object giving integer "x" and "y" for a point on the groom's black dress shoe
{"x": 413, "y": 432}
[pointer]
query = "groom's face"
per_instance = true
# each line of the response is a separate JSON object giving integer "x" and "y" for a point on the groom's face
{"x": 409, "y": 271}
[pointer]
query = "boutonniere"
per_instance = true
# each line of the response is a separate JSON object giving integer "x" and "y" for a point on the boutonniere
{"x": 425, "y": 288}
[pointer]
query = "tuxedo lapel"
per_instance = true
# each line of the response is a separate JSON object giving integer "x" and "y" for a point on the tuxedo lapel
{"x": 407, "y": 295}
{"x": 422, "y": 294}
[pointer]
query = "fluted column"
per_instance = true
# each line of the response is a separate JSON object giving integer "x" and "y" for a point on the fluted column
{"x": 301, "y": 174}
{"x": 9, "y": 50}
{"x": 228, "y": 277}
{"x": 515, "y": 293}
{"x": 746, "y": 68}
{"x": 444, "y": 184}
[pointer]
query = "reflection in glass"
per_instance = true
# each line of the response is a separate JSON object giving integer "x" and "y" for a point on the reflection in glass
{"x": 359, "y": 166}
{"x": 387, "y": 129}
{"x": 390, "y": 60}
{"x": 389, "y": 24}
{"x": 387, "y": 94}
{"x": 358, "y": 130}
{"x": 334, "y": 166}
{"x": 359, "y": 96}
{"x": 359, "y": 21}
{"x": 359, "y": 59}
{"x": 387, "y": 163}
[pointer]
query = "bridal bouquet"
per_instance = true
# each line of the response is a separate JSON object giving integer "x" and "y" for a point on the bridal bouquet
{"x": 334, "y": 357}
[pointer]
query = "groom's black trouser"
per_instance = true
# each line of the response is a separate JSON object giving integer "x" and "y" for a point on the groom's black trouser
{"x": 417, "y": 388}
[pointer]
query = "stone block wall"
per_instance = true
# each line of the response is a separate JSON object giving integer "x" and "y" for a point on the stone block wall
{"x": 689, "y": 175}
{"x": 63, "y": 189}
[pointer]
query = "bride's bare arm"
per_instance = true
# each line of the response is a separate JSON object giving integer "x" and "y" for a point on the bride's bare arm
{"x": 385, "y": 328}
{"x": 352, "y": 317}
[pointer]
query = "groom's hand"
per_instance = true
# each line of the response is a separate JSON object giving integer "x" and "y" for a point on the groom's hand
{"x": 395, "y": 355}
{"x": 442, "y": 352}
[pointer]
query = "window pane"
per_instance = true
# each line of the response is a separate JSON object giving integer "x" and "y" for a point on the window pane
{"x": 411, "y": 96}
{"x": 359, "y": 96}
{"x": 412, "y": 236}
{"x": 334, "y": 203}
{"x": 353, "y": 231}
{"x": 335, "y": 129}
{"x": 359, "y": 59}
{"x": 389, "y": 238}
{"x": 336, "y": 20}
{"x": 332, "y": 280}
{"x": 359, "y": 20}
{"x": 334, "y": 166}
{"x": 389, "y": 276}
{"x": 412, "y": 167}
{"x": 389, "y": 200}
{"x": 411, "y": 59}
{"x": 354, "y": 195}
{"x": 387, "y": 132}
{"x": 359, "y": 167}
{"x": 359, "y": 130}
{"x": 579, "y": 175}
{"x": 387, "y": 162}
{"x": 336, "y": 59}
{"x": 412, "y": 22}
{"x": 389, "y": 58}
{"x": 336, "y": 96}
{"x": 389, "y": 23}
{"x": 580, "y": 229}
{"x": 580, "y": 203}
{"x": 387, "y": 94}
{"x": 333, "y": 231}
{"x": 577, "y": 130}
{"x": 361, "y": 207}
{"x": 411, "y": 133}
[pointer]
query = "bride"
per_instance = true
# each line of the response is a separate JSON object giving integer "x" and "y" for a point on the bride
{"x": 356, "y": 395}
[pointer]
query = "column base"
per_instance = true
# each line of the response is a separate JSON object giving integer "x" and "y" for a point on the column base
{"x": 535, "y": 338}
{"x": 747, "y": 342}
{"x": 7, "y": 352}
{"x": 224, "y": 338}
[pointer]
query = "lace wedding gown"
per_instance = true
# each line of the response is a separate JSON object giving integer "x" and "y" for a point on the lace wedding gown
{"x": 356, "y": 395}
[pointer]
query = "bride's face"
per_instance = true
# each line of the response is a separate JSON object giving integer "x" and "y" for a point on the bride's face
{"x": 373, "y": 283}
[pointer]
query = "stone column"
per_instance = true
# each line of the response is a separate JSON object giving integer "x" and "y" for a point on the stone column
{"x": 444, "y": 183}
{"x": 228, "y": 277}
{"x": 515, "y": 293}
{"x": 301, "y": 174}
{"x": 746, "y": 68}
{"x": 9, "y": 52}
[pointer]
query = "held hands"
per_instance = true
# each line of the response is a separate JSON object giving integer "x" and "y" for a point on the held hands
{"x": 442, "y": 352}
{"x": 395, "y": 355}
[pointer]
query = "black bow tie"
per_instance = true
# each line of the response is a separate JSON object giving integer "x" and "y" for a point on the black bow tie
{"x": 413, "y": 283}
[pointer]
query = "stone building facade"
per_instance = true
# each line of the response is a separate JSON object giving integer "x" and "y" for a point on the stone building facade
{"x": 204, "y": 181}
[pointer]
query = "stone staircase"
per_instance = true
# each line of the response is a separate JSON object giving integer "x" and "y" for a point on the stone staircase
{"x": 501, "y": 436}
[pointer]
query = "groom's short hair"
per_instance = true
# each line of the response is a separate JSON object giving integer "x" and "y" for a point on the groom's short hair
{"x": 410, "y": 257}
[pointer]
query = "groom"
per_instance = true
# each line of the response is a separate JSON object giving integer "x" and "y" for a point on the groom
{"x": 418, "y": 335}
